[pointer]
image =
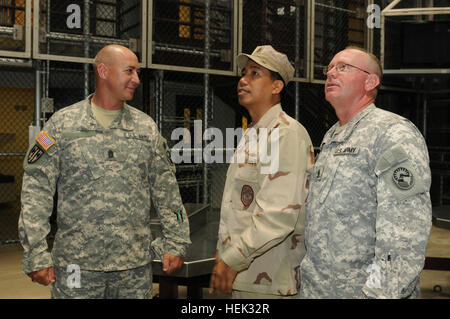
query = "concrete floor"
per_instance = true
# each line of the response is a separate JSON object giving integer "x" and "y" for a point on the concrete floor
{"x": 15, "y": 285}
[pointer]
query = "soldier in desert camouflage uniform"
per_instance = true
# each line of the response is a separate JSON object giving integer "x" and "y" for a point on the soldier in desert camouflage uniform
{"x": 261, "y": 229}
{"x": 368, "y": 211}
{"x": 106, "y": 160}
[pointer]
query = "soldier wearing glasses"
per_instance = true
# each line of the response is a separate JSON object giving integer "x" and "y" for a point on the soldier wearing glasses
{"x": 368, "y": 211}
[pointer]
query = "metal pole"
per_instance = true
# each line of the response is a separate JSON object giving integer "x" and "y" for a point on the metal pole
{"x": 161, "y": 98}
{"x": 37, "y": 95}
{"x": 425, "y": 109}
{"x": 206, "y": 93}
{"x": 297, "y": 63}
{"x": 47, "y": 66}
{"x": 86, "y": 32}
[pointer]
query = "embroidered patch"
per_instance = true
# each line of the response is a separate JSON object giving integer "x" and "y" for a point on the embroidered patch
{"x": 35, "y": 154}
{"x": 247, "y": 196}
{"x": 44, "y": 140}
{"x": 403, "y": 178}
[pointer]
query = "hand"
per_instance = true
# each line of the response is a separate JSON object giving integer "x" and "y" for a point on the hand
{"x": 172, "y": 263}
{"x": 44, "y": 276}
{"x": 222, "y": 278}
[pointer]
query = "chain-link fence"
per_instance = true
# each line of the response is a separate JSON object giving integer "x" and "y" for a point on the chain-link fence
{"x": 13, "y": 26}
{"x": 281, "y": 23}
{"x": 194, "y": 33}
{"x": 337, "y": 24}
{"x": 72, "y": 29}
{"x": 16, "y": 114}
{"x": 417, "y": 41}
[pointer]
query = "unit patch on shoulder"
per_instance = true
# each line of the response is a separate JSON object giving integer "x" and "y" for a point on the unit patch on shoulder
{"x": 403, "y": 178}
{"x": 44, "y": 140}
{"x": 35, "y": 154}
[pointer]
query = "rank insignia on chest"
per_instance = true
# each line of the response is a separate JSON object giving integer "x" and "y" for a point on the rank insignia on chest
{"x": 247, "y": 195}
{"x": 44, "y": 140}
{"x": 35, "y": 153}
{"x": 347, "y": 151}
{"x": 403, "y": 178}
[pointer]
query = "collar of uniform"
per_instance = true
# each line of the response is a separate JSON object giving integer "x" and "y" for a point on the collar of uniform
{"x": 350, "y": 125}
{"x": 123, "y": 121}
{"x": 90, "y": 123}
{"x": 271, "y": 114}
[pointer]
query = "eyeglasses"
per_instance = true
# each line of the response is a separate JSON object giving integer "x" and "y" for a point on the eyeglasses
{"x": 341, "y": 67}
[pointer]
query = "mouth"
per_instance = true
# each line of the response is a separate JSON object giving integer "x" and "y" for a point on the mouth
{"x": 331, "y": 85}
{"x": 242, "y": 92}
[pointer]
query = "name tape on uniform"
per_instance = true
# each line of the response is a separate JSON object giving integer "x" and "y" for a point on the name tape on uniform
{"x": 347, "y": 151}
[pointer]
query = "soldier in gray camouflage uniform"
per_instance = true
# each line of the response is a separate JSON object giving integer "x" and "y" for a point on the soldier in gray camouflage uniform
{"x": 106, "y": 160}
{"x": 368, "y": 211}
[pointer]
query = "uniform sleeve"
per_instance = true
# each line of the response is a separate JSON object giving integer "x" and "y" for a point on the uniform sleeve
{"x": 167, "y": 200}
{"x": 41, "y": 170}
{"x": 278, "y": 203}
{"x": 403, "y": 221}
{"x": 223, "y": 232}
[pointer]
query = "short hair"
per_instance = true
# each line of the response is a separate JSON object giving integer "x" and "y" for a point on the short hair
{"x": 372, "y": 57}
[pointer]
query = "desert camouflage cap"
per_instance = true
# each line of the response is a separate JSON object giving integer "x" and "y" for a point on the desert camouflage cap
{"x": 268, "y": 57}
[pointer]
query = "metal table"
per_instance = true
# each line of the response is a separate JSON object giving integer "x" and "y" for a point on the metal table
{"x": 199, "y": 260}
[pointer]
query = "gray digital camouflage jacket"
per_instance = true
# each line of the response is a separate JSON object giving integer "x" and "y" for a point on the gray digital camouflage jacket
{"x": 105, "y": 180}
{"x": 368, "y": 214}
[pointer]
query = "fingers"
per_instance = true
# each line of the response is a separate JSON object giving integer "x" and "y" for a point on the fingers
{"x": 222, "y": 278}
{"x": 212, "y": 284}
{"x": 166, "y": 262}
{"x": 44, "y": 276}
{"x": 172, "y": 263}
{"x": 51, "y": 275}
{"x": 212, "y": 281}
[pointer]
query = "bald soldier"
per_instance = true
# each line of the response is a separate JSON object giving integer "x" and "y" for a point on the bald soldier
{"x": 262, "y": 216}
{"x": 368, "y": 211}
{"x": 106, "y": 160}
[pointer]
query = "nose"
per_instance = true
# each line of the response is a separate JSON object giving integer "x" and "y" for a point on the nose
{"x": 242, "y": 81}
{"x": 135, "y": 78}
{"x": 331, "y": 73}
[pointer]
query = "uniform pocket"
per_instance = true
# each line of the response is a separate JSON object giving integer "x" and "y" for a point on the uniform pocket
{"x": 327, "y": 177}
{"x": 81, "y": 160}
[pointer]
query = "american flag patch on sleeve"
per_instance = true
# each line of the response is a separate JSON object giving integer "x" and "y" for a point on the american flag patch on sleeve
{"x": 44, "y": 140}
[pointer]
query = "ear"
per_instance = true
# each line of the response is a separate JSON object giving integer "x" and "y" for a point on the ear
{"x": 102, "y": 69}
{"x": 372, "y": 82}
{"x": 277, "y": 87}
